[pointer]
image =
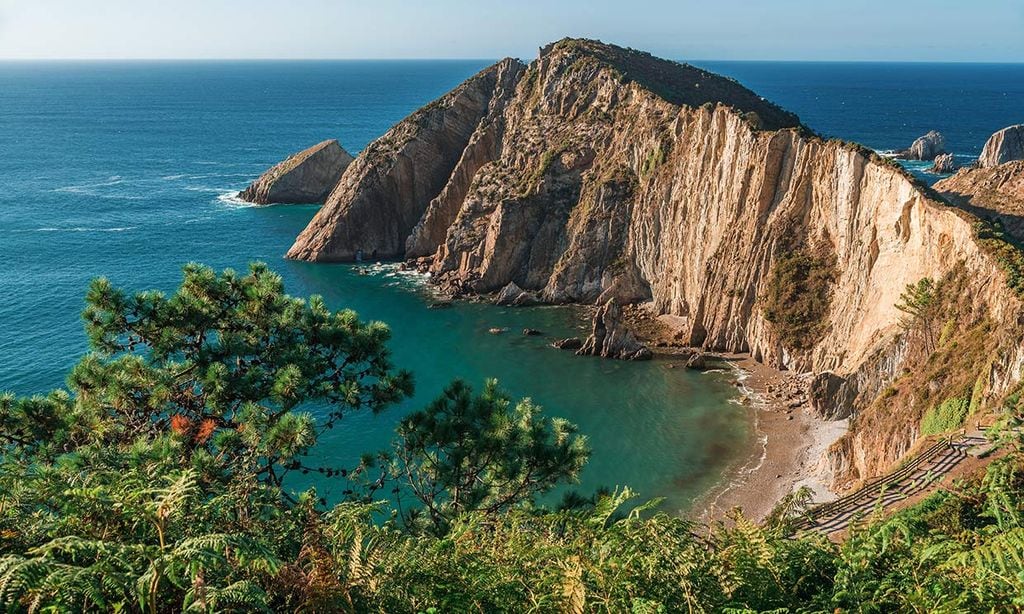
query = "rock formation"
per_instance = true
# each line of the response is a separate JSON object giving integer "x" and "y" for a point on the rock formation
{"x": 306, "y": 177}
{"x": 995, "y": 192}
{"x": 604, "y": 175}
{"x": 944, "y": 164}
{"x": 610, "y": 338}
{"x": 1004, "y": 146}
{"x": 925, "y": 148}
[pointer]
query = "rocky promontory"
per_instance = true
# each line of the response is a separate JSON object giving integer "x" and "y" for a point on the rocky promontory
{"x": 305, "y": 177}
{"x": 1004, "y": 146}
{"x": 603, "y": 175}
{"x": 944, "y": 164}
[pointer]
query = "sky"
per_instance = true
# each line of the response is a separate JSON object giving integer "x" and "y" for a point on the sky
{"x": 889, "y": 30}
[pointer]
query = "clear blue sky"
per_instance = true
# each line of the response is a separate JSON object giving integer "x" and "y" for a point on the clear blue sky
{"x": 926, "y": 30}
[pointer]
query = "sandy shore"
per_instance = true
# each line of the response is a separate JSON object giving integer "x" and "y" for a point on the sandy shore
{"x": 789, "y": 442}
{"x": 789, "y": 450}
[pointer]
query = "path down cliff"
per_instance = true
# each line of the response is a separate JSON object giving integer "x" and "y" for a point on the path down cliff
{"x": 599, "y": 173}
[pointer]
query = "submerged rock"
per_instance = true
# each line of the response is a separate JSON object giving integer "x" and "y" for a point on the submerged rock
{"x": 944, "y": 164}
{"x": 532, "y": 332}
{"x": 1004, "y": 146}
{"x": 925, "y": 148}
{"x": 306, "y": 177}
{"x": 611, "y": 339}
{"x": 570, "y": 343}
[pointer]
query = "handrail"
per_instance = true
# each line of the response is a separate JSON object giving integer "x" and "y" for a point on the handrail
{"x": 815, "y": 513}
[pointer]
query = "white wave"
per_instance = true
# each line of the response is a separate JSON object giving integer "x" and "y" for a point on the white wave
{"x": 79, "y": 229}
{"x": 84, "y": 188}
{"x": 232, "y": 200}
{"x": 174, "y": 177}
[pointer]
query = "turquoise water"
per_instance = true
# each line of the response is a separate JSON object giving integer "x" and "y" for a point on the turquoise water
{"x": 122, "y": 170}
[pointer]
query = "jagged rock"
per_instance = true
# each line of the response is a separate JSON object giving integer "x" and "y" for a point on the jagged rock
{"x": 306, "y": 177}
{"x": 513, "y": 295}
{"x": 925, "y": 148}
{"x": 532, "y": 332}
{"x": 611, "y": 339}
{"x": 944, "y": 164}
{"x": 830, "y": 396}
{"x": 1004, "y": 146}
{"x": 570, "y": 343}
{"x": 697, "y": 361}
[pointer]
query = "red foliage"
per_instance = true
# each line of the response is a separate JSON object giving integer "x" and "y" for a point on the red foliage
{"x": 181, "y": 425}
{"x": 206, "y": 428}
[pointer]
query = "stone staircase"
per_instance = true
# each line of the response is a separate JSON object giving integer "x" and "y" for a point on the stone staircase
{"x": 922, "y": 471}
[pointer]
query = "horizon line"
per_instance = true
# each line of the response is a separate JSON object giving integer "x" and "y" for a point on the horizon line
{"x": 482, "y": 59}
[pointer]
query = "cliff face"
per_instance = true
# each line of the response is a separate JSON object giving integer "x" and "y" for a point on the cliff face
{"x": 1004, "y": 146}
{"x": 990, "y": 192}
{"x": 599, "y": 173}
{"x": 306, "y": 177}
{"x": 384, "y": 193}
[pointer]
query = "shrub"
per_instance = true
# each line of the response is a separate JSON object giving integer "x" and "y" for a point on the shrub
{"x": 945, "y": 417}
{"x": 798, "y": 297}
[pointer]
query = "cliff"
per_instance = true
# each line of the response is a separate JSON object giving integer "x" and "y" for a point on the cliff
{"x": 602, "y": 174}
{"x": 995, "y": 192}
{"x": 305, "y": 177}
{"x": 1004, "y": 146}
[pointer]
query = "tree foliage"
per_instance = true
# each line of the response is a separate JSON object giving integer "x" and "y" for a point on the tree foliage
{"x": 116, "y": 495}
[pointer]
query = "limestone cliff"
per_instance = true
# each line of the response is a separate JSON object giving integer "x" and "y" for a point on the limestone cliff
{"x": 306, "y": 177}
{"x": 602, "y": 174}
{"x": 990, "y": 192}
{"x": 1004, "y": 146}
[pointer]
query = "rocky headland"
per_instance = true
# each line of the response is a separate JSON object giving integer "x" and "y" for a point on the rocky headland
{"x": 305, "y": 177}
{"x": 605, "y": 176}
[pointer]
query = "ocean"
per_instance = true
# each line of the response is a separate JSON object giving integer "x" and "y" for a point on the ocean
{"x": 127, "y": 170}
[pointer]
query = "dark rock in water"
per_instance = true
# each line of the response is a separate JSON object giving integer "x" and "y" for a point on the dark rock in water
{"x": 831, "y": 396}
{"x": 513, "y": 295}
{"x": 571, "y": 343}
{"x": 306, "y": 177}
{"x": 697, "y": 362}
{"x": 439, "y": 305}
{"x": 1004, "y": 146}
{"x": 611, "y": 339}
{"x": 944, "y": 164}
{"x": 532, "y": 332}
{"x": 925, "y": 148}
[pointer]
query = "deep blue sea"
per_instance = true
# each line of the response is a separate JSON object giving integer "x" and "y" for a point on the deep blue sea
{"x": 126, "y": 170}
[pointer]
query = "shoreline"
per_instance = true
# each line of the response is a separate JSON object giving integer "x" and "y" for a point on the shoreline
{"x": 788, "y": 442}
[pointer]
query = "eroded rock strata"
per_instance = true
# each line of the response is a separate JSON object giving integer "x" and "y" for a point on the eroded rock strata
{"x": 604, "y": 175}
{"x": 305, "y": 177}
{"x": 1004, "y": 146}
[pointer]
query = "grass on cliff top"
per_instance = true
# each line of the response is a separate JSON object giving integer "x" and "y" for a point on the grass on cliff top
{"x": 680, "y": 84}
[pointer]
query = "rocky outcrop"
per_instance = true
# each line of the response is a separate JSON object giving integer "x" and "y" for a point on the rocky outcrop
{"x": 1004, "y": 146}
{"x": 925, "y": 148}
{"x": 995, "y": 192}
{"x": 610, "y": 338}
{"x": 514, "y": 296}
{"x": 306, "y": 177}
{"x": 944, "y": 164}
{"x": 385, "y": 192}
{"x": 603, "y": 175}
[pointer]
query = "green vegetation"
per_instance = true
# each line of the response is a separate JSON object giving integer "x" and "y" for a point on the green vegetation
{"x": 798, "y": 297}
{"x": 157, "y": 482}
{"x": 1007, "y": 252}
{"x": 920, "y": 306}
{"x": 946, "y": 416}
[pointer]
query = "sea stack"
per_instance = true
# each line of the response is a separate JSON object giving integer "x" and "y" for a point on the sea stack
{"x": 1004, "y": 146}
{"x": 925, "y": 148}
{"x": 306, "y": 177}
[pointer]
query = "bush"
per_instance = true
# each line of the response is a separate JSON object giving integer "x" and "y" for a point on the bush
{"x": 946, "y": 416}
{"x": 798, "y": 297}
